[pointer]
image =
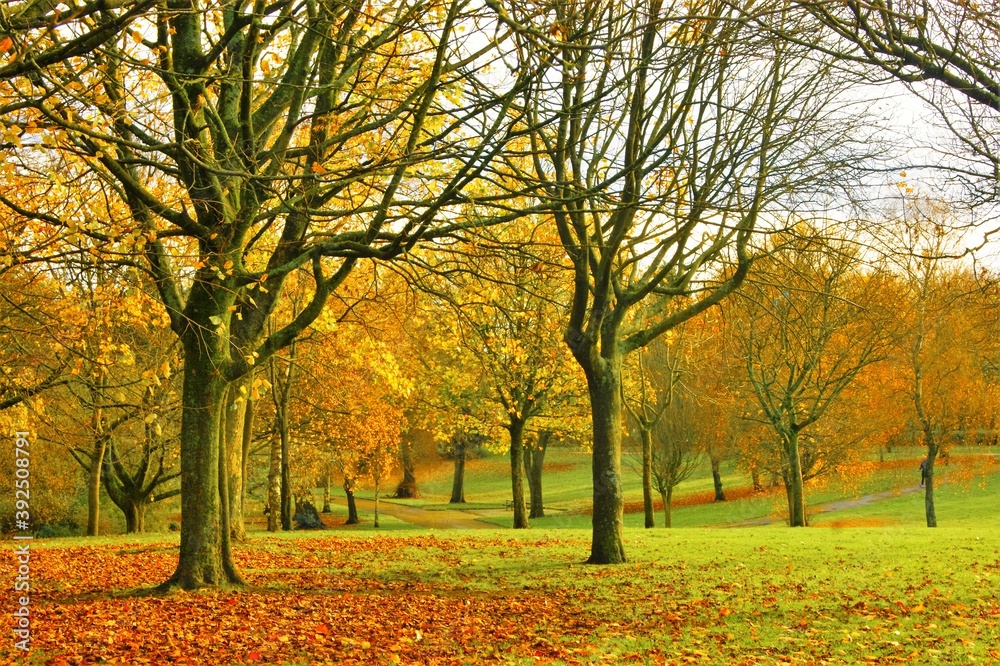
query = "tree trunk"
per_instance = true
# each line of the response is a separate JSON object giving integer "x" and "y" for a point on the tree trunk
{"x": 326, "y": 492}
{"x": 135, "y": 517}
{"x": 796, "y": 496}
{"x": 94, "y": 484}
{"x": 352, "y": 507}
{"x": 534, "y": 460}
{"x": 755, "y": 477}
{"x": 235, "y": 420}
{"x": 717, "y": 480}
{"x": 245, "y": 458}
{"x": 205, "y": 554}
{"x": 647, "y": 475}
{"x": 274, "y": 486}
{"x": 516, "y": 430}
{"x": 407, "y": 488}
{"x": 375, "y": 523}
{"x": 458, "y": 484}
{"x": 286, "y": 480}
{"x": 96, "y": 456}
{"x": 932, "y": 452}
{"x": 668, "y": 497}
{"x": 604, "y": 384}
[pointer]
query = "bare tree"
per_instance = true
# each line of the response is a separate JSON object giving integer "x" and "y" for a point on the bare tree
{"x": 661, "y": 135}
{"x": 675, "y": 453}
{"x": 806, "y": 323}
{"x": 646, "y": 401}
{"x": 948, "y": 52}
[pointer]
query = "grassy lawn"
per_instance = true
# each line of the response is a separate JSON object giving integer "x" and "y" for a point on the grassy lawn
{"x": 739, "y": 596}
{"x": 567, "y": 489}
{"x": 878, "y": 587}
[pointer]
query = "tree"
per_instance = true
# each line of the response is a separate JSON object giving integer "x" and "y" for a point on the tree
{"x": 675, "y": 451}
{"x": 945, "y": 51}
{"x": 655, "y": 381}
{"x": 939, "y": 341}
{"x": 238, "y": 145}
{"x": 806, "y": 324}
{"x": 37, "y": 344}
{"x": 507, "y": 289}
{"x": 660, "y": 136}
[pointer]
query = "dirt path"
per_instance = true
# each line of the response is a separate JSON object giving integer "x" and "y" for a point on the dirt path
{"x": 838, "y": 505}
{"x": 450, "y": 519}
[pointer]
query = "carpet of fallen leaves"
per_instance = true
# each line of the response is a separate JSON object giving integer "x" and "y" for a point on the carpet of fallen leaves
{"x": 304, "y": 603}
{"x": 706, "y": 598}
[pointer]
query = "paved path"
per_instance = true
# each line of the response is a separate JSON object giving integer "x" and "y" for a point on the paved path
{"x": 838, "y": 505}
{"x": 449, "y": 519}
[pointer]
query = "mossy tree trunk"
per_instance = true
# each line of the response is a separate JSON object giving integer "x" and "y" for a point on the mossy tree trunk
{"x": 205, "y": 553}
{"x": 793, "y": 480}
{"x": 604, "y": 384}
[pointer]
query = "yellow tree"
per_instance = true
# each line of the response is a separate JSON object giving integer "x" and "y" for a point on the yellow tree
{"x": 237, "y": 144}
{"x": 506, "y": 289}
{"x": 939, "y": 349}
{"x": 806, "y": 323}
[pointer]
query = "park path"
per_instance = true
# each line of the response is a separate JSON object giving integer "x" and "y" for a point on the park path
{"x": 449, "y": 519}
{"x": 838, "y": 505}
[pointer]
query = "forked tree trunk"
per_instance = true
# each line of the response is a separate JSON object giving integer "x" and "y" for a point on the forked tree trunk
{"x": 604, "y": 385}
{"x": 717, "y": 480}
{"x": 135, "y": 517}
{"x": 516, "y": 430}
{"x": 205, "y": 551}
{"x": 666, "y": 495}
{"x": 458, "y": 483}
{"x": 647, "y": 475}
{"x": 534, "y": 461}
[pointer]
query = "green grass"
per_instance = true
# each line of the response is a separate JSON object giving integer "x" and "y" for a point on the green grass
{"x": 567, "y": 490}
{"x": 878, "y": 588}
{"x": 972, "y": 504}
{"x": 722, "y": 596}
{"x": 765, "y": 595}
